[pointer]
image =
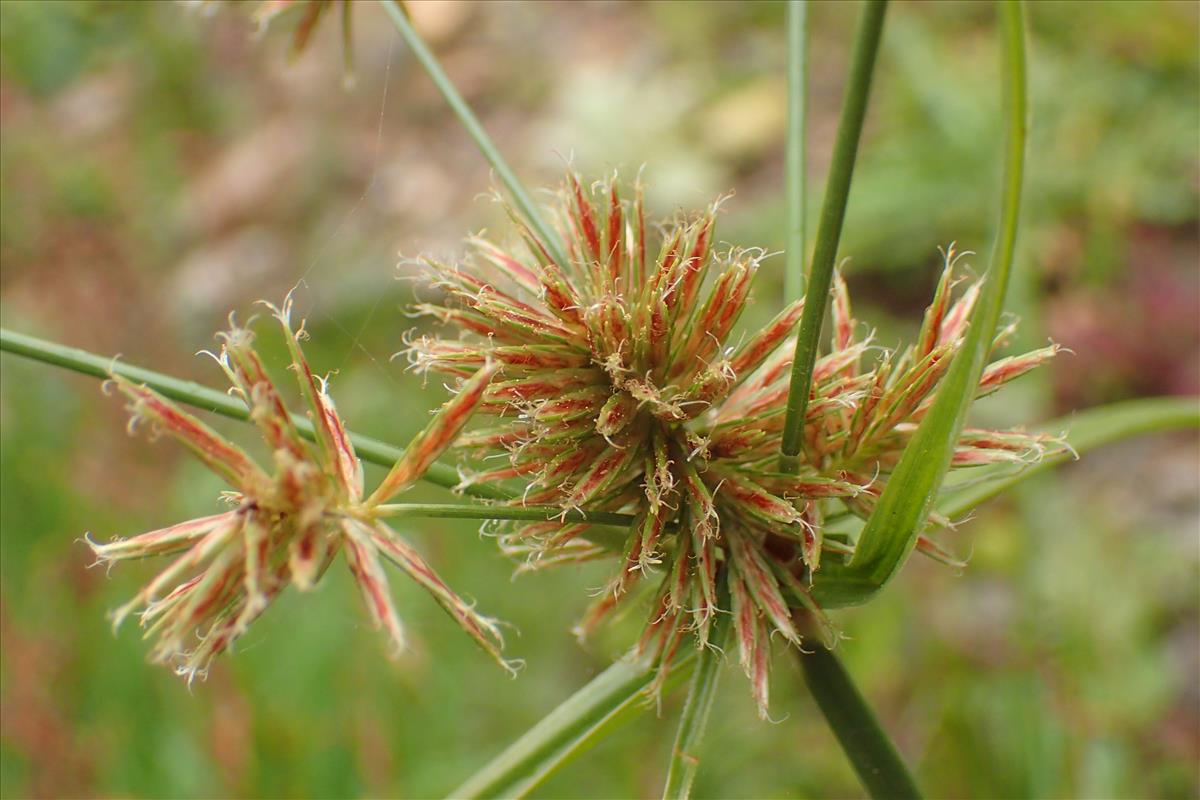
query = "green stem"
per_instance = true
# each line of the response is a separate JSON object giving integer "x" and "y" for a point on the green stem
{"x": 475, "y": 130}
{"x": 829, "y": 231}
{"x": 207, "y": 399}
{"x": 685, "y": 757}
{"x": 864, "y": 742}
{"x": 797, "y": 137}
{"x": 836, "y": 586}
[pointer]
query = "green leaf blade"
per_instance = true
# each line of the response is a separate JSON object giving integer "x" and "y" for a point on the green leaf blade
{"x": 1084, "y": 431}
{"x": 838, "y": 585}
{"x": 597, "y": 708}
{"x": 891, "y": 532}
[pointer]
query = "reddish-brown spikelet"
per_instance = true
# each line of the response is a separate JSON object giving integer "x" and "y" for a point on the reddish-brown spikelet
{"x": 659, "y": 414}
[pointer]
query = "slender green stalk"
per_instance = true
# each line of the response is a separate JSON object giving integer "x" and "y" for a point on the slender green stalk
{"x": 534, "y": 513}
{"x": 829, "y": 231}
{"x": 797, "y": 148}
{"x": 685, "y": 757}
{"x": 903, "y": 508}
{"x": 865, "y": 743}
{"x": 596, "y": 709}
{"x": 207, "y": 399}
{"x": 475, "y": 129}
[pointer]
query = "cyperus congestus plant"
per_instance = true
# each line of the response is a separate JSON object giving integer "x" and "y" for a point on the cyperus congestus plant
{"x": 288, "y": 520}
{"x": 624, "y": 387}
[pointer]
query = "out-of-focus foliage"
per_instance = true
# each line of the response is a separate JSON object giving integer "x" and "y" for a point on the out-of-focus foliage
{"x": 160, "y": 165}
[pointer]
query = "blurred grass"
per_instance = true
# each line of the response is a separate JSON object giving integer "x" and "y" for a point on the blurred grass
{"x": 160, "y": 167}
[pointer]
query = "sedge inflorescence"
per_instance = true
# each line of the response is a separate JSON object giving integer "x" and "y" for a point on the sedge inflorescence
{"x": 289, "y": 519}
{"x": 623, "y": 386}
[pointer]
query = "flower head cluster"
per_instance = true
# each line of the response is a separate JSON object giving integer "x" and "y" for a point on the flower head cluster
{"x": 290, "y": 519}
{"x": 623, "y": 387}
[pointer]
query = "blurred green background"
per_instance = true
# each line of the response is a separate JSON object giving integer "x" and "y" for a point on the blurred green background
{"x": 162, "y": 165}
